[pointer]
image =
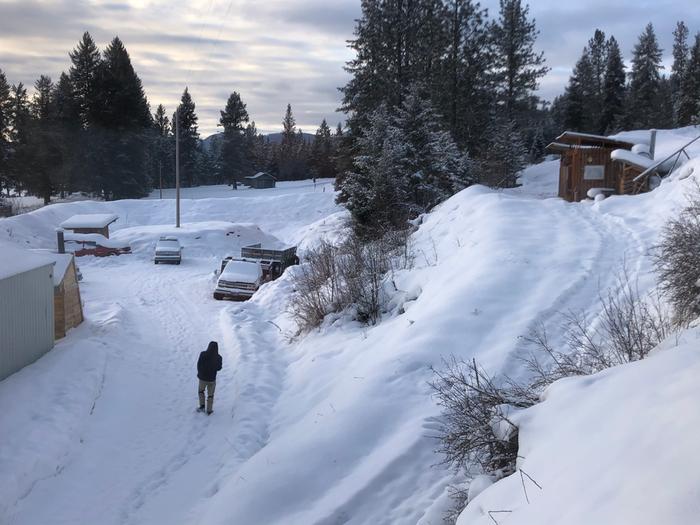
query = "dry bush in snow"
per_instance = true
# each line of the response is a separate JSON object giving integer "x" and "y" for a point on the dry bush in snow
{"x": 476, "y": 432}
{"x": 352, "y": 274}
{"x": 627, "y": 329}
{"x": 677, "y": 260}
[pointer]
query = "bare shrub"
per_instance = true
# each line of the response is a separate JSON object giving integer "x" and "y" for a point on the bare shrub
{"x": 677, "y": 261}
{"x": 474, "y": 408}
{"x": 352, "y": 274}
{"x": 627, "y": 329}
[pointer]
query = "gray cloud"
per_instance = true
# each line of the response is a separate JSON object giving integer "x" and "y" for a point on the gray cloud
{"x": 278, "y": 51}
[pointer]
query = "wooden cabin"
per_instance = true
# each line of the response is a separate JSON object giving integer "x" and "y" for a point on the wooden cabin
{"x": 261, "y": 180}
{"x": 586, "y": 163}
{"x": 90, "y": 223}
{"x": 67, "y": 305}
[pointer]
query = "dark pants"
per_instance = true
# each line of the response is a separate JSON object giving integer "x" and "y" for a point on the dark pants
{"x": 210, "y": 386}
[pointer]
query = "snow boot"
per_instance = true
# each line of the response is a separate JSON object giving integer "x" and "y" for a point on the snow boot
{"x": 210, "y": 412}
{"x": 201, "y": 409}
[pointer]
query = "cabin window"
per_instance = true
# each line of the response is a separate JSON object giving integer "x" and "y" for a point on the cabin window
{"x": 594, "y": 172}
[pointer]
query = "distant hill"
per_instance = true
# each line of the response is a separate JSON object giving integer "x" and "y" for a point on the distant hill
{"x": 274, "y": 138}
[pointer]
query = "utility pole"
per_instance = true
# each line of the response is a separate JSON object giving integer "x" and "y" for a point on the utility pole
{"x": 160, "y": 178}
{"x": 177, "y": 167}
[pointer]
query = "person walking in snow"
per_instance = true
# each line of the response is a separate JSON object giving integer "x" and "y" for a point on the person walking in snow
{"x": 208, "y": 364}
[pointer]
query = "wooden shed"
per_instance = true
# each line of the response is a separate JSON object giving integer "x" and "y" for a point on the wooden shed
{"x": 67, "y": 305}
{"x": 90, "y": 223}
{"x": 261, "y": 180}
{"x": 586, "y": 163}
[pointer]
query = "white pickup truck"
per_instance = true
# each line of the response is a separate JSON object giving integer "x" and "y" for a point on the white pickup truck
{"x": 240, "y": 279}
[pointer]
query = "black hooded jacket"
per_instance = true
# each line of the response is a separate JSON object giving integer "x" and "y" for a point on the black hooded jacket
{"x": 209, "y": 363}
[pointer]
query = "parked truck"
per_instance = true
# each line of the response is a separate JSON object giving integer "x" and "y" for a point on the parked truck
{"x": 240, "y": 277}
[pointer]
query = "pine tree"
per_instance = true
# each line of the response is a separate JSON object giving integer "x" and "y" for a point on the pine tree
{"x": 124, "y": 117}
{"x": 598, "y": 53}
{"x": 5, "y": 120}
{"x": 68, "y": 122}
{"x": 161, "y": 121}
{"x": 506, "y": 155}
{"x": 322, "y": 153}
{"x": 290, "y": 161}
{"x": 679, "y": 68}
{"x": 689, "y": 97}
{"x": 578, "y": 95}
{"x": 464, "y": 96}
{"x": 41, "y": 103}
{"x": 614, "y": 87}
{"x": 644, "y": 81}
{"x": 85, "y": 60}
{"x": 375, "y": 190}
{"x": 235, "y": 159}
{"x": 163, "y": 148}
{"x": 518, "y": 67}
{"x": 19, "y": 136}
{"x": 189, "y": 138}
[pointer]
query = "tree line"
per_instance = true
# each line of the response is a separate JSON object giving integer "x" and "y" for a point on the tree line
{"x": 92, "y": 131}
{"x": 602, "y": 97}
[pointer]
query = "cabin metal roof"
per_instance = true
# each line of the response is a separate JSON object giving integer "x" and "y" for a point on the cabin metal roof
{"x": 572, "y": 139}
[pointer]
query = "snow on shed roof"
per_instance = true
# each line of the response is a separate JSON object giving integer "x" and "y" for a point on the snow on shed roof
{"x": 260, "y": 174}
{"x": 629, "y": 157}
{"x": 61, "y": 260}
{"x": 91, "y": 220}
{"x": 15, "y": 260}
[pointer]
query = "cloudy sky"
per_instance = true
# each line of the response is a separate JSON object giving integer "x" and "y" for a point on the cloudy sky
{"x": 275, "y": 52}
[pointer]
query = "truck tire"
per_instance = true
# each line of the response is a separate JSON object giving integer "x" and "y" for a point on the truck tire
{"x": 218, "y": 296}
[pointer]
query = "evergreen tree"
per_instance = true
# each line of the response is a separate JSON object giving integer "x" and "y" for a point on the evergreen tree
{"x": 124, "y": 118}
{"x": 85, "y": 59}
{"x": 518, "y": 66}
{"x": 645, "y": 81}
{"x": 5, "y": 121}
{"x": 163, "y": 148}
{"x": 464, "y": 96}
{"x": 679, "y": 68}
{"x": 614, "y": 87}
{"x": 506, "y": 155}
{"x": 189, "y": 138}
{"x": 689, "y": 97}
{"x": 41, "y": 103}
{"x": 289, "y": 158}
{"x": 578, "y": 95}
{"x": 19, "y": 136}
{"x": 598, "y": 53}
{"x": 235, "y": 159}
{"x": 322, "y": 153}
{"x": 68, "y": 122}
{"x": 374, "y": 190}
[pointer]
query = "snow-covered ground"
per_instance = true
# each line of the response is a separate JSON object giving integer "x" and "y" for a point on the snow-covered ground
{"x": 334, "y": 427}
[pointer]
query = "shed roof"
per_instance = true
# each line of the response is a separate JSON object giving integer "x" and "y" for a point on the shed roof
{"x": 575, "y": 139}
{"x": 61, "y": 260}
{"x": 15, "y": 260}
{"x": 90, "y": 220}
{"x": 260, "y": 174}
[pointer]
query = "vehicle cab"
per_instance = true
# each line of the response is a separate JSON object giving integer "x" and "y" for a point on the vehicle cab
{"x": 240, "y": 279}
{"x": 168, "y": 250}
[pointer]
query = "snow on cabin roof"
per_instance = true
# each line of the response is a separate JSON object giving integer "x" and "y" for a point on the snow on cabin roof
{"x": 588, "y": 139}
{"x": 260, "y": 174}
{"x": 635, "y": 159}
{"x": 91, "y": 220}
{"x": 15, "y": 260}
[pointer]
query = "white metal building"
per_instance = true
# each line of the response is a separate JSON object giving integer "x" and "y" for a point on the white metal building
{"x": 26, "y": 307}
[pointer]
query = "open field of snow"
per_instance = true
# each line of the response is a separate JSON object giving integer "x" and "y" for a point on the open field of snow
{"x": 334, "y": 427}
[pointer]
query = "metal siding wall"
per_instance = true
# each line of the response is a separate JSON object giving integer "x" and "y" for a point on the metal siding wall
{"x": 26, "y": 319}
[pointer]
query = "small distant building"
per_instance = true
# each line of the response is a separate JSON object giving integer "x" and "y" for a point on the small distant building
{"x": 587, "y": 164}
{"x": 90, "y": 223}
{"x": 261, "y": 181}
{"x": 26, "y": 307}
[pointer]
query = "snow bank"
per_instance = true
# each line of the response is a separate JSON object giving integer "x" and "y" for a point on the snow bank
{"x": 616, "y": 447}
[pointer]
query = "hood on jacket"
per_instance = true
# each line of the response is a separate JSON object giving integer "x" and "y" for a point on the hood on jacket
{"x": 213, "y": 347}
